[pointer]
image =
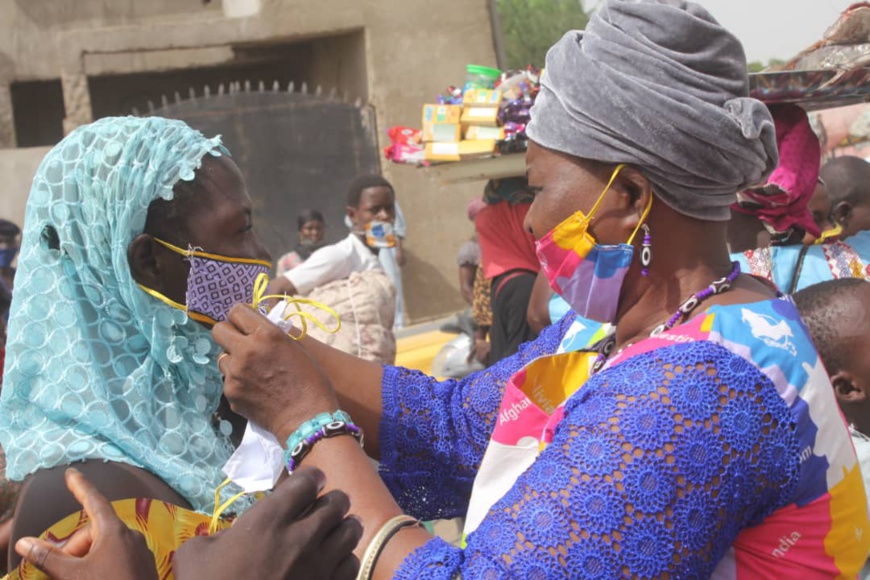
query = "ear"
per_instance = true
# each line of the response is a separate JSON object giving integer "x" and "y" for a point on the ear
{"x": 351, "y": 213}
{"x": 848, "y": 390}
{"x": 638, "y": 195}
{"x": 144, "y": 264}
{"x": 842, "y": 213}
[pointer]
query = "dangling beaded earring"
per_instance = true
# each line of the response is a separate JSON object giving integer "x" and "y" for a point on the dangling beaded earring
{"x": 646, "y": 251}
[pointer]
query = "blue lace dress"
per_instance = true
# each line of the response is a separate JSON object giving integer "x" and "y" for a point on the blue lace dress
{"x": 665, "y": 463}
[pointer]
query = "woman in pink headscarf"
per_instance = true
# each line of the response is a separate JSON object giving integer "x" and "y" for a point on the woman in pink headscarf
{"x": 770, "y": 224}
{"x": 776, "y": 212}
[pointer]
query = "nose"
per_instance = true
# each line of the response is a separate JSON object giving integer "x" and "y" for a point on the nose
{"x": 527, "y": 221}
{"x": 262, "y": 252}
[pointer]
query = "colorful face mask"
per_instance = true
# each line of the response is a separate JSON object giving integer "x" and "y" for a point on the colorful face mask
{"x": 7, "y": 256}
{"x": 586, "y": 274}
{"x": 215, "y": 283}
{"x": 380, "y": 235}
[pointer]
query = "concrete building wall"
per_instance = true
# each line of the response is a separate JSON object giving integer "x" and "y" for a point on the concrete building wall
{"x": 394, "y": 54}
{"x": 17, "y": 167}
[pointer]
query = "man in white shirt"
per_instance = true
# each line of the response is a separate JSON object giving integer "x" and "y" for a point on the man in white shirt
{"x": 370, "y": 199}
{"x": 349, "y": 278}
{"x": 393, "y": 259}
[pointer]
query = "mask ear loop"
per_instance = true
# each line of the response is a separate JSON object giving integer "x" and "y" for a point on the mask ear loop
{"x": 220, "y": 508}
{"x": 613, "y": 177}
{"x": 828, "y": 234}
{"x": 588, "y": 215}
{"x": 642, "y": 220}
{"x": 260, "y": 296}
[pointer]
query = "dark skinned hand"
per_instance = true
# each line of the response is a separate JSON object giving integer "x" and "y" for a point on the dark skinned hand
{"x": 105, "y": 548}
{"x": 481, "y": 351}
{"x": 290, "y": 534}
{"x": 270, "y": 378}
{"x": 279, "y": 286}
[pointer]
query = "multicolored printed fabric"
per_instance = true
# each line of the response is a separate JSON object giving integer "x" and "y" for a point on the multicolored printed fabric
{"x": 715, "y": 449}
{"x": 848, "y": 259}
{"x": 164, "y": 526}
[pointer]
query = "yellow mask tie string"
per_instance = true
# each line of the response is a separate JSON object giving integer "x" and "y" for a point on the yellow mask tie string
{"x": 220, "y": 508}
{"x": 613, "y": 177}
{"x": 642, "y": 220}
{"x": 260, "y": 285}
{"x": 828, "y": 234}
{"x": 220, "y": 258}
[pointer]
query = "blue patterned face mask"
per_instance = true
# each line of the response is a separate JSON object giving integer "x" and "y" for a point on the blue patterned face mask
{"x": 215, "y": 284}
{"x": 7, "y": 256}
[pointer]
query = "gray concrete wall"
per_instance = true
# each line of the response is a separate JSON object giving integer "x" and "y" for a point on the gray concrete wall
{"x": 17, "y": 168}
{"x": 397, "y": 54}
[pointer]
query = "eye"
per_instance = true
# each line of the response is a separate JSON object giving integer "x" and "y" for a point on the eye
{"x": 534, "y": 190}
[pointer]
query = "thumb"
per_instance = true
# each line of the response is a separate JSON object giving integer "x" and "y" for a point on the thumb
{"x": 80, "y": 543}
{"x": 48, "y": 558}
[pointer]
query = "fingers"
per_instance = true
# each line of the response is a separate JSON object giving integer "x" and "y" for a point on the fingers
{"x": 227, "y": 336}
{"x": 80, "y": 543}
{"x": 241, "y": 322}
{"x": 48, "y": 558}
{"x": 293, "y": 498}
{"x": 97, "y": 507}
{"x": 326, "y": 515}
{"x": 220, "y": 359}
{"x": 247, "y": 320}
{"x": 340, "y": 544}
{"x": 347, "y": 569}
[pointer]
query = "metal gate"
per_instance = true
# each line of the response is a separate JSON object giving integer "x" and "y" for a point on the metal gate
{"x": 296, "y": 149}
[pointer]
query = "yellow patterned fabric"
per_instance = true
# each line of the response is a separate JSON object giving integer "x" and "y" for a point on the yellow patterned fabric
{"x": 164, "y": 525}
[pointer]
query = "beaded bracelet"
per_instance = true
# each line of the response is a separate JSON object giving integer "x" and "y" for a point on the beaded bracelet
{"x": 379, "y": 542}
{"x": 322, "y": 426}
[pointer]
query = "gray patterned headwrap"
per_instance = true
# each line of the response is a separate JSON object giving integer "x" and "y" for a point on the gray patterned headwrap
{"x": 660, "y": 85}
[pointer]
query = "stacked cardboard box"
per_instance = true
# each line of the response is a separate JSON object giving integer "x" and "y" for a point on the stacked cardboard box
{"x": 461, "y": 132}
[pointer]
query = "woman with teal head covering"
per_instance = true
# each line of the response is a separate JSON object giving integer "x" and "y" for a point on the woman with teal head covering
{"x": 103, "y": 362}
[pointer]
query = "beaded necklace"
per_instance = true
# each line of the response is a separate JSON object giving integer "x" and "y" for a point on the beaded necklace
{"x": 607, "y": 345}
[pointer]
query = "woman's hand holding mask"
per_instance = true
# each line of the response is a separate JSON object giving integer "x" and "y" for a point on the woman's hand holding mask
{"x": 268, "y": 377}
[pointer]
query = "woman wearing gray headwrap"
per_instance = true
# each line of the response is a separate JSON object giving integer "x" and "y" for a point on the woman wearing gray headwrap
{"x": 693, "y": 434}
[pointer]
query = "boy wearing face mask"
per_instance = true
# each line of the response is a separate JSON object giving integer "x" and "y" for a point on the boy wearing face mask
{"x": 348, "y": 276}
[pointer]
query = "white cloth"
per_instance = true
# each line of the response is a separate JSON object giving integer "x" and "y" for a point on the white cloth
{"x": 331, "y": 263}
{"x": 387, "y": 258}
{"x": 258, "y": 461}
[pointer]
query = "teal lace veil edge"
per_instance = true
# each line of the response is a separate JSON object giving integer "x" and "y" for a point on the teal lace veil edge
{"x": 95, "y": 367}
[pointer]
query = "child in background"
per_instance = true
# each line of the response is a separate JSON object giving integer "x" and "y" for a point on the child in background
{"x": 312, "y": 228}
{"x": 837, "y": 314}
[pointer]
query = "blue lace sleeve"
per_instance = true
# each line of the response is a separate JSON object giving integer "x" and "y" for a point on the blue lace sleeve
{"x": 657, "y": 465}
{"x": 433, "y": 434}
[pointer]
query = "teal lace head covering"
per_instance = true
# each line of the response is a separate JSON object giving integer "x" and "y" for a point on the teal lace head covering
{"x": 95, "y": 367}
